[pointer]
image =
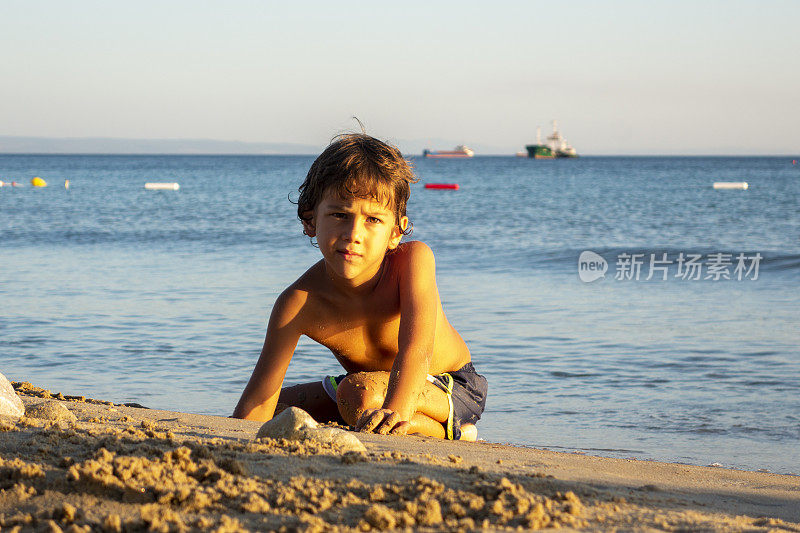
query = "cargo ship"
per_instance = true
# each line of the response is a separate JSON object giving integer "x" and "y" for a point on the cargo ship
{"x": 555, "y": 147}
{"x": 460, "y": 151}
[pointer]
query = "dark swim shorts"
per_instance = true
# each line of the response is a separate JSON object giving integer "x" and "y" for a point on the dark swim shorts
{"x": 466, "y": 394}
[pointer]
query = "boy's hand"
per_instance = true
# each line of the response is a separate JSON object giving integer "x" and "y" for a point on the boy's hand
{"x": 383, "y": 422}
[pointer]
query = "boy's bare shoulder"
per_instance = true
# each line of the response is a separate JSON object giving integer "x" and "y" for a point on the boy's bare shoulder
{"x": 412, "y": 256}
{"x": 414, "y": 250}
{"x": 295, "y": 297}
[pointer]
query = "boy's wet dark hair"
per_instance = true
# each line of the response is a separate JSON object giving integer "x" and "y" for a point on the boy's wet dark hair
{"x": 356, "y": 165}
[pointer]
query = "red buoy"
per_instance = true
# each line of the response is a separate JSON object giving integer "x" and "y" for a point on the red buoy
{"x": 453, "y": 186}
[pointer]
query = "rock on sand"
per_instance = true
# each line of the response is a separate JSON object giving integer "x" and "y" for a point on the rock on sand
{"x": 344, "y": 440}
{"x": 10, "y": 402}
{"x": 50, "y": 411}
{"x": 287, "y": 425}
{"x": 295, "y": 424}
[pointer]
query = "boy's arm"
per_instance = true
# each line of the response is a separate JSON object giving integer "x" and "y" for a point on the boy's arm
{"x": 419, "y": 299}
{"x": 261, "y": 393}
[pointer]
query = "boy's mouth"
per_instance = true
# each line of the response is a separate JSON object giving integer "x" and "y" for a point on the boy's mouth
{"x": 348, "y": 254}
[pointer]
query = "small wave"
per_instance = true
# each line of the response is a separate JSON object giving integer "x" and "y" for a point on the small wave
{"x": 763, "y": 353}
{"x": 780, "y": 263}
{"x": 763, "y": 382}
{"x": 24, "y": 342}
{"x": 561, "y": 374}
{"x": 584, "y": 450}
{"x": 548, "y": 338}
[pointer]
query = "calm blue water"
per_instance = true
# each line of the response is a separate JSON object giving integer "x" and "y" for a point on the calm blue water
{"x": 161, "y": 298}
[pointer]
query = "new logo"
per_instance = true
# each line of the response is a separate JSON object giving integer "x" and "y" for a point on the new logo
{"x": 591, "y": 266}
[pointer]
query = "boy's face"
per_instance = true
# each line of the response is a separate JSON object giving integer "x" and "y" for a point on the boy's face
{"x": 354, "y": 235}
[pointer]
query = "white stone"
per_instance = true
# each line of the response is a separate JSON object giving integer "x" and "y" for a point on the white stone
{"x": 347, "y": 442}
{"x": 323, "y": 435}
{"x": 287, "y": 425}
{"x": 344, "y": 440}
{"x": 10, "y": 402}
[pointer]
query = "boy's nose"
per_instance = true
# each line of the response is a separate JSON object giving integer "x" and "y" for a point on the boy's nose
{"x": 354, "y": 232}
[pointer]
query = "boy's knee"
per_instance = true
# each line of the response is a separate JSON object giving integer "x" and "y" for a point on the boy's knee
{"x": 358, "y": 392}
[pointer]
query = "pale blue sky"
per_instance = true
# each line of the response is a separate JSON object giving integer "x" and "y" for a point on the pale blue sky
{"x": 621, "y": 77}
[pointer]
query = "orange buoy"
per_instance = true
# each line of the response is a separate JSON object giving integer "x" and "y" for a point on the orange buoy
{"x": 453, "y": 186}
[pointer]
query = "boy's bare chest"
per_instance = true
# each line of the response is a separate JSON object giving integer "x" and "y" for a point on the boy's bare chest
{"x": 362, "y": 335}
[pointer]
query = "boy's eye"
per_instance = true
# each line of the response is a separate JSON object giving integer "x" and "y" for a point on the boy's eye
{"x": 374, "y": 220}
{"x": 338, "y": 215}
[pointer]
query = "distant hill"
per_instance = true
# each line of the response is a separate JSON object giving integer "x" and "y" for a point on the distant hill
{"x": 109, "y": 145}
{"x": 104, "y": 145}
{"x": 410, "y": 147}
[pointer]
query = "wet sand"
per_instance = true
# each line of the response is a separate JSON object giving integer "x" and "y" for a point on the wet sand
{"x": 118, "y": 468}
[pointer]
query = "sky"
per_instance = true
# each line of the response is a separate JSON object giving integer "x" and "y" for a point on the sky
{"x": 621, "y": 77}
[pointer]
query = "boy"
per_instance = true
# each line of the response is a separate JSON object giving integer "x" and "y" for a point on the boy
{"x": 374, "y": 303}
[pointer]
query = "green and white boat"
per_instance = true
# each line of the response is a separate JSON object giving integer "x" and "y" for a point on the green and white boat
{"x": 555, "y": 147}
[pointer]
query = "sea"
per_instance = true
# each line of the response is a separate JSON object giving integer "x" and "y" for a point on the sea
{"x": 618, "y": 306}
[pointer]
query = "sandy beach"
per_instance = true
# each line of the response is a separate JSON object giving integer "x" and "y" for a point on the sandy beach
{"x": 77, "y": 464}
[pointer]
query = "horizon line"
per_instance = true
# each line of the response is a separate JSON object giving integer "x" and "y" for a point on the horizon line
{"x": 310, "y": 154}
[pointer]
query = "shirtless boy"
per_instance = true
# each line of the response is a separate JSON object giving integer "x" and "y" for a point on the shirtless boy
{"x": 374, "y": 303}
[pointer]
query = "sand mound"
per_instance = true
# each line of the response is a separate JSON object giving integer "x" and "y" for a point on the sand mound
{"x": 50, "y": 411}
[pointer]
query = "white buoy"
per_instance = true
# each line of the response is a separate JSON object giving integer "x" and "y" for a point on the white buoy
{"x": 162, "y": 186}
{"x": 742, "y": 185}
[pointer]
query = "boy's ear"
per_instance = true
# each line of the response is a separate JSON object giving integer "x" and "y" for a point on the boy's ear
{"x": 397, "y": 233}
{"x": 308, "y": 224}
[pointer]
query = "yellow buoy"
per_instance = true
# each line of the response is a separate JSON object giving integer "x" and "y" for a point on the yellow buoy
{"x": 38, "y": 182}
